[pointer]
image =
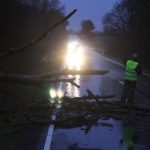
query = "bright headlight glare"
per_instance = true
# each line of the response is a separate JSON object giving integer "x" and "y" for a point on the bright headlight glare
{"x": 75, "y": 56}
{"x": 52, "y": 93}
{"x": 60, "y": 94}
{"x": 71, "y": 46}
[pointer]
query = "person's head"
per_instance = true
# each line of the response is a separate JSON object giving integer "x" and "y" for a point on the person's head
{"x": 134, "y": 56}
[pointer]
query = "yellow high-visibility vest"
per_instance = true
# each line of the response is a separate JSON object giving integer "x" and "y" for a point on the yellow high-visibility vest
{"x": 130, "y": 72}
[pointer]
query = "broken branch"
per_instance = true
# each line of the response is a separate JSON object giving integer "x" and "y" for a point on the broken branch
{"x": 12, "y": 51}
{"x": 72, "y": 72}
{"x": 26, "y": 79}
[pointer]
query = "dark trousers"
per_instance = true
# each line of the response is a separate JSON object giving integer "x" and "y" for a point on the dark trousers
{"x": 128, "y": 91}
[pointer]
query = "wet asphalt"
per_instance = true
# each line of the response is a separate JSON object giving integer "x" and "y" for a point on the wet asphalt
{"x": 102, "y": 136}
{"x": 105, "y": 134}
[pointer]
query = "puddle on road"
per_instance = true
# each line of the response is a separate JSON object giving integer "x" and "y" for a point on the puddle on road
{"x": 109, "y": 86}
{"x": 107, "y": 134}
{"x": 97, "y": 84}
{"x": 100, "y": 85}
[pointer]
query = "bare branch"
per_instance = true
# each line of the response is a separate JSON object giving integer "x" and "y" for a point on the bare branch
{"x": 72, "y": 72}
{"x": 89, "y": 97}
{"x": 12, "y": 51}
{"x": 45, "y": 78}
{"x": 31, "y": 80}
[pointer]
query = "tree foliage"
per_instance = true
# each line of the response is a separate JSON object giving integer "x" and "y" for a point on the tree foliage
{"x": 47, "y": 5}
{"x": 87, "y": 26}
{"x": 128, "y": 15}
{"x": 130, "y": 21}
{"x": 22, "y": 21}
{"x": 116, "y": 20}
{"x": 86, "y": 33}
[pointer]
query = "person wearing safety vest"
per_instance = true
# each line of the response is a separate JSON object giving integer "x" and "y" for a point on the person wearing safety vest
{"x": 132, "y": 71}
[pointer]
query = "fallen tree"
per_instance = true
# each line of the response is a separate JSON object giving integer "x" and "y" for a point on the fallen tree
{"x": 29, "y": 113}
{"x": 79, "y": 111}
{"x": 46, "y": 78}
{"x": 31, "y": 80}
{"x": 76, "y": 111}
{"x": 72, "y": 72}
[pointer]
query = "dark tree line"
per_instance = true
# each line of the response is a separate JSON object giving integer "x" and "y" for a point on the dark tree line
{"x": 22, "y": 21}
{"x": 86, "y": 33}
{"x": 87, "y": 26}
{"x": 46, "y": 5}
{"x": 128, "y": 26}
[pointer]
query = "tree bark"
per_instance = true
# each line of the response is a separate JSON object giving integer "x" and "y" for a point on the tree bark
{"x": 72, "y": 72}
{"x": 31, "y": 80}
{"x": 46, "y": 77}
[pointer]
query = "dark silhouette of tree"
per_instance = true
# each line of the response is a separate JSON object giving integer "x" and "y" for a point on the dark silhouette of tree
{"x": 46, "y": 5}
{"x": 116, "y": 21}
{"x": 21, "y": 22}
{"x": 87, "y": 26}
{"x": 129, "y": 21}
{"x": 86, "y": 32}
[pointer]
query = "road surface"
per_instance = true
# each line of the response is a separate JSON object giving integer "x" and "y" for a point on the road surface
{"x": 106, "y": 134}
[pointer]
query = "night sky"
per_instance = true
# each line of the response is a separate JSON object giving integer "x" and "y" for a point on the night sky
{"x": 87, "y": 9}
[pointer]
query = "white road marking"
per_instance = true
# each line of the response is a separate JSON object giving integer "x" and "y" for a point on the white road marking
{"x": 48, "y": 141}
{"x": 121, "y": 82}
{"x": 113, "y": 61}
{"x": 146, "y": 74}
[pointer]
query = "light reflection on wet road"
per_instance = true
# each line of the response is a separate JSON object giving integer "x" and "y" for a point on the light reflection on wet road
{"x": 101, "y": 137}
{"x": 99, "y": 85}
